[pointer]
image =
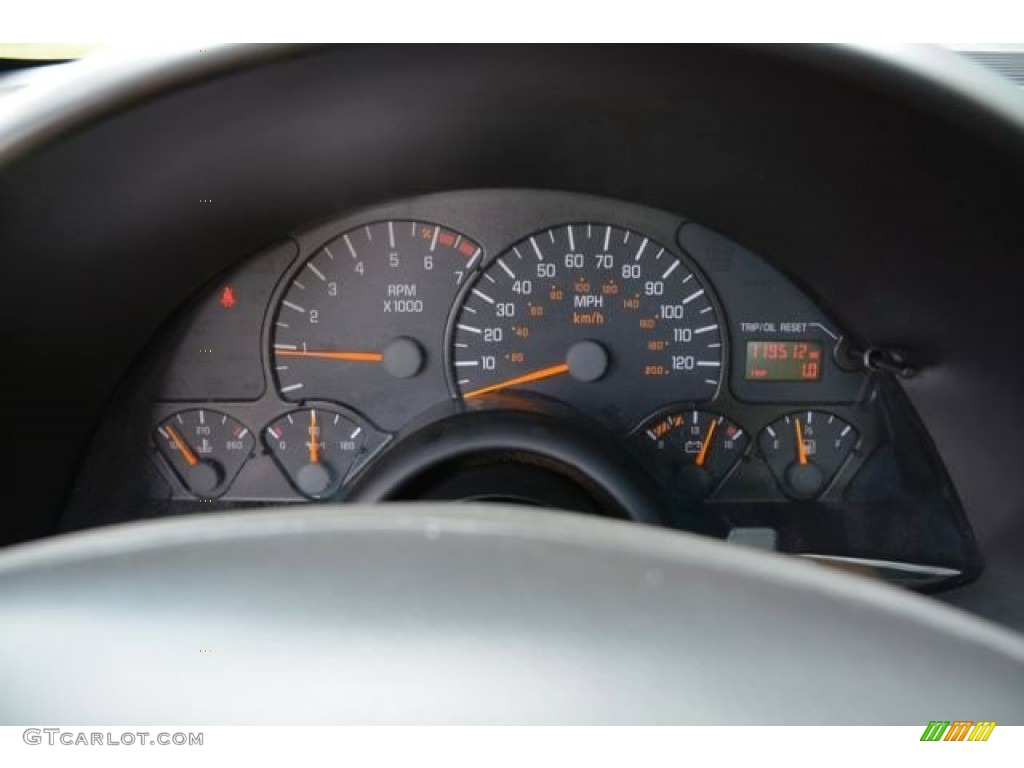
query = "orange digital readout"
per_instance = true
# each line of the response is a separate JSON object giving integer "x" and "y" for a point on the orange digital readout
{"x": 783, "y": 361}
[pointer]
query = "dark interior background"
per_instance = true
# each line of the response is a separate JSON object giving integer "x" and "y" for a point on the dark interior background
{"x": 898, "y": 207}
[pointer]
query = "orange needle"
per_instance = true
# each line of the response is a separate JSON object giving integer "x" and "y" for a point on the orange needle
{"x": 187, "y": 452}
{"x": 707, "y": 444}
{"x": 801, "y": 449}
{"x": 314, "y": 445}
{"x": 543, "y": 373}
{"x": 356, "y": 357}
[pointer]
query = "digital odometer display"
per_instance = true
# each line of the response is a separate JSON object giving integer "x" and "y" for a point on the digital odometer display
{"x": 783, "y": 361}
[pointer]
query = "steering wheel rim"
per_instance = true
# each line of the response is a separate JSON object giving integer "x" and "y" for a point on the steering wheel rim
{"x": 421, "y": 614}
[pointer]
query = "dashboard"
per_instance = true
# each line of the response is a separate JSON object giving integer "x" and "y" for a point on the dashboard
{"x": 546, "y": 348}
{"x": 852, "y": 217}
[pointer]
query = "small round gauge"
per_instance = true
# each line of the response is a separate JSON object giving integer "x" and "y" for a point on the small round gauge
{"x": 806, "y": 449}
{"x": 701, "y": 448}
{"x": 598, "y": 316}
{"x": 205, "y": 448}
{"x": 362, "y": 320}
{"x": 315, "y": 447}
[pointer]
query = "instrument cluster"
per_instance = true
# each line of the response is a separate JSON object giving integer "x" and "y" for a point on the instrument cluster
{"x": 713, "y": 380}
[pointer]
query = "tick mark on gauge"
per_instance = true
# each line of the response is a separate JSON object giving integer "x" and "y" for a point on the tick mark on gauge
{"x": 285, "y": 346}
{"x": 312, "y": 268}
{"x": 572, "y": 240}
{"x": 706, "y": 328}
{"x": 469, "y": 328}
{"x": 291, "y": 388}
{"x": 670, "y": 270}
{"x": 350, "y": 248}
{"x": 536, "y": 249}
{"x": 640, "y": 250}
{"x": 507, "y": 271}
{"x": 483, "y": 296}
{"x": 328, "y": 252}
{"x": 694, "y": 295}
{"x": 296, "y": 307}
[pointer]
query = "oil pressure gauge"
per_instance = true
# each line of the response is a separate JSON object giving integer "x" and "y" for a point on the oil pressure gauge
{"x": 205, "y": 448}
{"x": 315, "y": 447}
{"x": 806, "y": 449}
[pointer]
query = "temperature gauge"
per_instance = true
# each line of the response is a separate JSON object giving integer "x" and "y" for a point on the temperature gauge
{"x": 701, "y": 447}
{"x": 316, "y": 448}
{"x": 205, "y": 448}
{"x": 806, "y": 449}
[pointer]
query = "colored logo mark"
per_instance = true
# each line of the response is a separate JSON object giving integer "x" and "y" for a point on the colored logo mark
{"x": 958, "y": 730}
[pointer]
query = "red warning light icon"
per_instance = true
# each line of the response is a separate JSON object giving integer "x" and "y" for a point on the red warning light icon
{"x": 227, "y": 297}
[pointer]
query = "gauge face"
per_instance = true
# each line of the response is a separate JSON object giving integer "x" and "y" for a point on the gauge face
{"x": 700, "y": 447}
{"x": 363, "y": 319}
{"x": 806, "y": 449}
{"x": 205, "y": 448}
{"x": 316, "y": 448}
{"x": 600, "y": 317}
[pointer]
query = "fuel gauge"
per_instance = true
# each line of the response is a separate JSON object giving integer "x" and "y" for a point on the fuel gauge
{"x": 806, "y": 449}
{"x": 315, "y": 447}
{"x": 701, "y": 448}
{"x": 205, "y": 448}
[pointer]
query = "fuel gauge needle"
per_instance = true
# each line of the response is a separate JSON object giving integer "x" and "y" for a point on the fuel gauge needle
{"x": 706, "y": 444}
{"x": 314, "y": 444}
{"x": 188, "y": 453}
{"x": 801, "y": 449}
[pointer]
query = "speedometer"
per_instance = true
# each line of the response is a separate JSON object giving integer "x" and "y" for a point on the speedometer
{"x": 595, "y": 315}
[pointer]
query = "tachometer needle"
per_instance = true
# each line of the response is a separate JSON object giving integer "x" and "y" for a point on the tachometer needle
{"x": 706, "y": 444}
{"x": 801, "y": 449}
{"x": 314, "y": 444}
{"x": 543, "y": 373}
{"x": 188, "y": 453}
{"x": 356, "y": 357}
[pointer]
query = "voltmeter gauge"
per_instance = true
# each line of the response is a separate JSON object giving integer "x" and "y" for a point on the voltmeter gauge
{"x": 316, "y": 448}
{"x": 805, "y": 450}
{"x": 205, "y": 448}
{"x": 700, "y": 447}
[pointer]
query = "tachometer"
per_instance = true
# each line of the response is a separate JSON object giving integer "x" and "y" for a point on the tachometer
{"x": 598, "y": 316}
{"x": 367, "y": 313}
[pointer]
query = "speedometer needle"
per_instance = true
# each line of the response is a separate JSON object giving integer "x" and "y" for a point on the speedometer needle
{"x": 526, "y": 378}
{"x": 357, "y": 357}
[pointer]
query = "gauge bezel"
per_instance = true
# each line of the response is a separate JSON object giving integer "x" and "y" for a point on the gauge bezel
{"x": 660, "y": 229}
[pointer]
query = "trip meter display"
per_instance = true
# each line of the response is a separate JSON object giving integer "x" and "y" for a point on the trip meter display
{"x": 363, "y": 319}
{"x": 598, "y": 316}
{"x": 783, "y": 361}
